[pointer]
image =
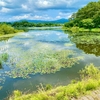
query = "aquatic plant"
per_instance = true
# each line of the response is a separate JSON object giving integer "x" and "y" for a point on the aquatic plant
{"x": 88, "y": 42}
{"x": 69, "y": 92}
{"x": 41, "y": 61}
{"x": 2, "y": 80}
{"x": 0, "y": 87}
{"x": 36, "y": 57}
{"x": 3, "y": 58}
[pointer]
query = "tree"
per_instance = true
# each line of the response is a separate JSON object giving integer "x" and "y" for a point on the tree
{"x": 87, "y": 17}
{"x": 96, "y": 19}
{"x": 87, "y": 23}
{"x": 73, "y": 16}
{"x": 88, "y": 11}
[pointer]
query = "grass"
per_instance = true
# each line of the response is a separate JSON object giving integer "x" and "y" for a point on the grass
{"x": 90, "y": 80}
{"x": 3, "y": 58}
{"x": 7, "y": 36}
{"x": 77, "y": 29}
{"x": 6, "y": 31}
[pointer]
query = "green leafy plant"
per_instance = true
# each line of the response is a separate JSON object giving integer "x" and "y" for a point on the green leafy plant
{"x": 73, "y": 90}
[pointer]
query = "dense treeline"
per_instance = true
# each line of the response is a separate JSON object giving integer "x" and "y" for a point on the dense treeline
{"x": 25, "y": 23}
{"x": 86, "y": 17}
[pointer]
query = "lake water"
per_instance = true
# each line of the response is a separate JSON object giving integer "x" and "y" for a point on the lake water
{"x": 21, "y": 49}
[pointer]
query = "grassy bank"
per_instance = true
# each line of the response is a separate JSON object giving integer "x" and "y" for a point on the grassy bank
{"x": 7, "y": 29}
{"x": 77, "y": 29}
{"x": 89, "y": 81}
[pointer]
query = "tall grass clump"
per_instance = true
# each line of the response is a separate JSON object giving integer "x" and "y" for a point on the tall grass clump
{"x": 3, "y": 58}
{"x": 90, "y": 80}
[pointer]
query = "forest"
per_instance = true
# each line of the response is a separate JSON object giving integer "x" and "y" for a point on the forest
{"x": 87, "y": 17}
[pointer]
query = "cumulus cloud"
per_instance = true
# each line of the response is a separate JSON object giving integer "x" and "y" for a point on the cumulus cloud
{"x": 63, "y": 15}
{"x": 39, "y": 9}
{"x": 4, "y": 10}
{"x": 2, "y": 3}
{"x": 30, "y": 17}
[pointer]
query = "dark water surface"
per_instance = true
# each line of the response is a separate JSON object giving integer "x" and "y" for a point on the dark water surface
{"x": 35, "y": 40}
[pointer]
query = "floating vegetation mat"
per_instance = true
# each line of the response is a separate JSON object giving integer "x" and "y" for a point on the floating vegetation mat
{"x": 89, "y": 43}
{"x": 3, "y": 59}
{"x": 2, "y": 80}
{"x": 41, "y": 61}
{"x": 86, "y": 38}
{"x": 27, "y": 57}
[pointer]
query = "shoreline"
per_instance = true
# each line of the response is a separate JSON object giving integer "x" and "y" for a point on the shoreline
{"x": 77, "y": 29}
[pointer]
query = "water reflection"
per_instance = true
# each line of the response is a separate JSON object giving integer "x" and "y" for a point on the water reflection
{"x": 38, "y": 52}
{"x": 34, "y": 47}
{"x": 90, "y": 48}
{"x": 5, "y": 38}
{"x": 0, "y": 66}
{"x": 88, "y": 42}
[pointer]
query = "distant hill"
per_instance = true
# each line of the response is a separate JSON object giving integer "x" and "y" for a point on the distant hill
{"x": 54, "y": 21}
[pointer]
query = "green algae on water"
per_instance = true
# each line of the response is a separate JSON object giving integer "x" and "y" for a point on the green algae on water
{"x": 41, "y": 61}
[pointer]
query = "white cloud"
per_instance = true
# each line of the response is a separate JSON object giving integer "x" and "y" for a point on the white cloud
{"x": 64, "y": 15}
{"x": 58, "y": 17}
{"x": 24, "y": 6}
{"x": 20, "y": 17}
{"x": 53, "y": 3}
{"x": 4, "y": 10}
{"x": 30, "y": 17}
{"x": 39, "y": 9}
{"x": 2, "y": 3}
{"x": 44, "y": 17}
{"x": 43, "y": 4}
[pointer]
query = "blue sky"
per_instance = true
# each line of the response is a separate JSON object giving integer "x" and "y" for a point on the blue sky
{"x": 11, "y": 10}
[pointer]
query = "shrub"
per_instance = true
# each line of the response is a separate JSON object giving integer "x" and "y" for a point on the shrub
{"x": 75, "y": 29}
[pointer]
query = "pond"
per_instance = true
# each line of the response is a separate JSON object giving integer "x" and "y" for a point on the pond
{"x": 41, "y": 56}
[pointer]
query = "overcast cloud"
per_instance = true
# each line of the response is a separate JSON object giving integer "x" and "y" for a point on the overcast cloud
{"x": 11, "y": 10}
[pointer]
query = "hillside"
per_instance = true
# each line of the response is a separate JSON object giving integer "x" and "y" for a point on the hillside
{"x": 86, "y": 17}
{"x": 60, "y": 21}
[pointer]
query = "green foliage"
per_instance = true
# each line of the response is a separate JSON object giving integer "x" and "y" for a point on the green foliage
{"x": 86, "y": 17}
{"x": 74, "y": 29}
{"x": 3, "y": 58}
{"x": 41, "y": 61}
{"x": 25, "y": 23}
{"x": 73, "y": 90}
{"x": 88, "y": 11}
{"x": 87, "y": 23}
{"x": 90, "y": 72}
{"x": 96, "y": 19}
{"x": 91, "y": 85}
{"x": 89, "y": 42}
{"x": 17, "y": 93}
{"x": 73, "y": 16}
{"x": 7, "y": 29}
{"x": 48, "y": 87}
{"x": 69, "y": 24}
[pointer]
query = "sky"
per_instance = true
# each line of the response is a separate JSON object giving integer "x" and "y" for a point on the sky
{"x": 12, "y": 10}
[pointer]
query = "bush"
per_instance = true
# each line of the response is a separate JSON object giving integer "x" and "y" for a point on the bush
{"x": 3, "y": 58}
{"x": 7, "y": 29}
{"x": 68, "y": 92}
{"x": 75, "y": 29}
